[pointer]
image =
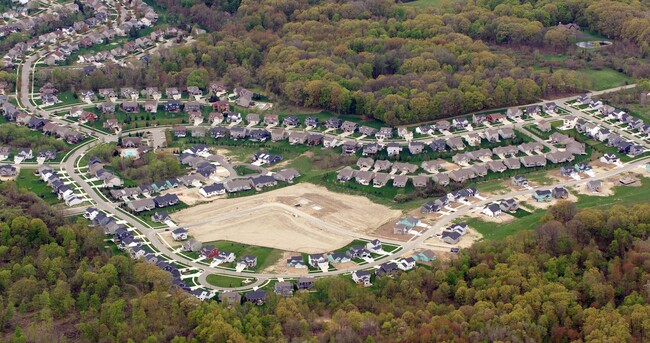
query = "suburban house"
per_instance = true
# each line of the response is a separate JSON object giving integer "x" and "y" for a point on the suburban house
{"x": 520, "y": 180}
{"x": 212, "y": 190}
{"x": 542, "y": 195}
{"x": 296, "y": 262}
{"x": 393, "y": 149}
{"x": 509, "y": 205}
{"x": 208, "y": 251}
{"x": 361, "y": 277}
{"x": 492, "y": 210}
{"x": 424, "y": 256}
{"x": 450, "y": 237}
{"x": 593, "y": 186}
{"x": 179, "y": 234}
{"x": 249, "y": 261}
{"x": 559, "y": 193}
{"x": 283, "y": 288}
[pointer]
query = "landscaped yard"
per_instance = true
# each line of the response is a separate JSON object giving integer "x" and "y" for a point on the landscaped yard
{"x": 243, "y": 170}
{"x": 265, "y": 256}
{"x": 218, "y": 280}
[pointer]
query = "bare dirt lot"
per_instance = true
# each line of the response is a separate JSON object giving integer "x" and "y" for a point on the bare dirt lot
{"x": 302, "y": 217}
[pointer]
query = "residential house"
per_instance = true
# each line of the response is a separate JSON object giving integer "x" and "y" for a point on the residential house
{"x": 333, "y": 123}
{"x": 542, "y": 195}
{"x": 515, "y": 113}
{"x": 399, "y": 181}
{"x": 420, "y": 181}
{"x": 550, "y": 107}
{"x": 424, "y": 256}
{"x": 283, "y": 288}
{"x": 441, "y": 179}
{"x": 305, "y": 283}
{"x": 286, "y": 175}
{"x": 381, "y": 165}
{"x": 179, "y": 234}
{"x": 370, "y": 149}
{"x": 271, "y": 119}
{"x": 388, "y": 268}
{"x": 593, "y": 186}
{"x": 544, "y": 126}
{"x": 533, "y": 161}
{"x": 492, "y": 135}
{"x": 520, "y": 180}
{"x": 496, "y": 118}
{"x": 365, "y": 162}
{"x": 384, "y": 133}
{"x": 361, "y": 277}
{"x": 560, "y": 156}
{"x": 450, "y": 237}
{"x": 311, "y": 122}
{"x": 255, "y": 297}
{"x": 509, "y": 205}
{"x": 431, "y": 166}
{"x": 249, "y": 261}
{"x": 443, "y": 126}
{"x": 455, "y": 143}
{"x": 473, "y": 139}
{"x": 253, "y": 119}
{"x": 291, "y": 121}
{"x": 478, "y": 119}
{"x": 506, "y": 133}
{"x": 296, "y": 262}
{"x": 238, "y": 185}
{"x": 462, "y": 175}
{"x": 212, "y": 190}
{"x": 393, "y": 149}
{"x": 297, "y": 137}
{"x": 438, "y": 145}
{"x": 416, "y": 147}
{"x": 559, "y": 193}
{"x": 349, "y": 127}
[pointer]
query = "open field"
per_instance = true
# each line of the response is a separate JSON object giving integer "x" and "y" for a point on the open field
{"x": 303, "y": 217}
{"x": 27, "y": 180}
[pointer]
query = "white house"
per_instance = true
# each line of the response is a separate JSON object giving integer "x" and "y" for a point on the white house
{"x": 492, "y": 210}
{"x": 406, "y": 264}
{"x": 361, "y": 276}
{"x": 212, "y": 190}
{"x": 179, "y": 234}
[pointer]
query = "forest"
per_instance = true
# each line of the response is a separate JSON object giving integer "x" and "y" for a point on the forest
{"x": 378, "y": 59}
{"x": 578, "y": 275}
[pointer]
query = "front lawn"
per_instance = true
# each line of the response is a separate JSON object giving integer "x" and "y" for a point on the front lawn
{"x": 219, "y": 280}
{"x": 265, "y": 256}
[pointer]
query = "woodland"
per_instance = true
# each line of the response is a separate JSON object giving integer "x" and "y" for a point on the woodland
{"x": 385, "y": 61}
{"x": 579, "y": 275}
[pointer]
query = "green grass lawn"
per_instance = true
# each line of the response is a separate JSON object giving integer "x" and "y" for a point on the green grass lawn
{"x": 27, "y": 180}
{"x": 492, "y": 186}
{"x": 146, "y": 215}
{"x": 606, "y": 78}
{"x": 265, "y": 256}
{"x": 422, "y": 4}
{"x": 356, "y": 242}
{"x": 218, "y": 280}
{"x": 243, "y": 170}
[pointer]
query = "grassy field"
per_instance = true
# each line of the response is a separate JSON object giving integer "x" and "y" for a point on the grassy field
{"x": 225, "y": 280}
{"x": 422, "y": 4}
{"x": 606, "y": 78}
{"x": 265, "y": 256}
{"x": 27, "y": 180}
